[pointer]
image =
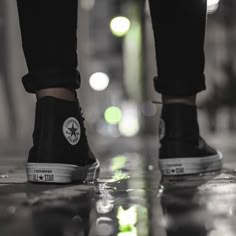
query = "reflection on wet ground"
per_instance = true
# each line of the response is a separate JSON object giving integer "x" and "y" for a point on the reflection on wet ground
{"x": 129, "y": 199}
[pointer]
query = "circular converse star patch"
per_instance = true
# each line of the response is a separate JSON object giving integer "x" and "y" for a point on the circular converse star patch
{"x": 71, "y": 130}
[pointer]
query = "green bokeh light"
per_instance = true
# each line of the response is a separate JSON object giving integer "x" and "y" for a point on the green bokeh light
{"x": 113, "y": 115}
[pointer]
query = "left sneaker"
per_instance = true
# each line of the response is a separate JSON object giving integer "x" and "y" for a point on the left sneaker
{"x": 60, "y": 152}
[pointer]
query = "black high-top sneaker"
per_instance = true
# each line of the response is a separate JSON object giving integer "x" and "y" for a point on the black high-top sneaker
{"x": 182, "y": 150}
{"x": 60, "y": 152}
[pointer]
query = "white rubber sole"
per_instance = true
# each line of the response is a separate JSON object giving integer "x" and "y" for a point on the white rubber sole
{"x": 61, "y": 173}
{"x": 188, "y": 166}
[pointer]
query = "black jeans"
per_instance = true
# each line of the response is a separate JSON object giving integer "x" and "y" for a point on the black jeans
{"x": 48, "y": 30}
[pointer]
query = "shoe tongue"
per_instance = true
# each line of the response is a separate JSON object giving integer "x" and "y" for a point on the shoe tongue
{"x": 180, "y": 121}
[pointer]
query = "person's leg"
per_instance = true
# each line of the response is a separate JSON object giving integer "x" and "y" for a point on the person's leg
{"x": 179, "y": 30}
{"x": 48, "y": 31}
{"x": 60, "y": 152}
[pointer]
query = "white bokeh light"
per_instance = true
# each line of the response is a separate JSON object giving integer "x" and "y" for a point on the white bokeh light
{"x": 212, "y": 5}
{"x": 212, "y": 2}
{"x": 120, "y": 25}
{"x": 99, "y": 81}
{"x": 129, "y": 126}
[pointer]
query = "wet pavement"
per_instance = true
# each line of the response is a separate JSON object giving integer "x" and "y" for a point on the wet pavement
{"x": 130, "y": 198}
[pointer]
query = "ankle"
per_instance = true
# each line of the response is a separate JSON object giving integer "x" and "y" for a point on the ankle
{"x": 61, "y": 93}
{"x": 191, "y": 100}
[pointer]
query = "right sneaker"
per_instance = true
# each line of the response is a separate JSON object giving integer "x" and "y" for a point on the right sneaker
{"x": 183, "y": 151}
{"x": 60, "y": 152}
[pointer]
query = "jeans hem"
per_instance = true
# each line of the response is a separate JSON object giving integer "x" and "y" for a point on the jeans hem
{"x": 180, "y": 87}
{"x": 36, "y": 80}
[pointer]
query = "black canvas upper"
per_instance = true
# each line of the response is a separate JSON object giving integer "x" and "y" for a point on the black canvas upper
{"x": 180, "y": 133}
{"x": 49, "y": 142}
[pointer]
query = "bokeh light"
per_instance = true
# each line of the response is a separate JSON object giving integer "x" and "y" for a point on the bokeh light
{"x": 212, "y": 5}
{"x": 130, "y": 124}
{"x": 120, "y": 26}
{"x": 113, "y": 115}
{"x": 99, "y": 81}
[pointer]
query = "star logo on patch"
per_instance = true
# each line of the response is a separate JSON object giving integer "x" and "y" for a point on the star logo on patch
{"x": 71, "y": 130}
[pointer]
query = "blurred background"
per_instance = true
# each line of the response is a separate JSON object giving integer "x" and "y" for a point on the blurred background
{"x": 117, "y": 64}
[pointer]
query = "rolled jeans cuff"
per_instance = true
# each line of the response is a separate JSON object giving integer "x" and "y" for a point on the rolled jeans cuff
{"x": 187, "y": 87}
{"x": 57, "y": 78}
